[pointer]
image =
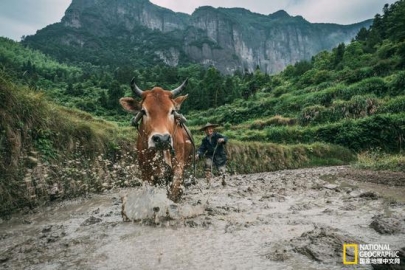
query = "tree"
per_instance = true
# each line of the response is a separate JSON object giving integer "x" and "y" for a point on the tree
{"x": 338, "y": 53}
{"x": 78, "y": 90}
{"x": 103, "y": 100}
{"x": 70, "y": 90}
{"x": 362, "y": 35}
{"x": 301, "y": 67}
{"x": 395, "y": 21}
{"x": 212, "y": 88}
{"x": 322, "y": 60}
{"x": 230, "y": 90}
{"x": 115, "y": 92}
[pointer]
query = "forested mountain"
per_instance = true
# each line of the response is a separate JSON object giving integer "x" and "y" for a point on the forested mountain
{"x": 360, "y": 83}
{"x": 139, "y": 34}
{"x": 376, "y": 51}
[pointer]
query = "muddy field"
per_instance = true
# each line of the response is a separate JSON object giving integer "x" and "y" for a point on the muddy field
{"x": 292, "y": 219}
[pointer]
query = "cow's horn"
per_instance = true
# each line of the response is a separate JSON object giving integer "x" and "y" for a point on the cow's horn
{"x": 135, "y": 89}
{"x": 178, "y": 89}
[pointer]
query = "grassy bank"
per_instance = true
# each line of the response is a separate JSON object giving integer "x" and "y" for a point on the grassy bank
{"x": 261, "y": 157}
{"x": 49, "y": 152}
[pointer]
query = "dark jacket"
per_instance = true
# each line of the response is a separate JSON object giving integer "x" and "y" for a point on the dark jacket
{"x": 207, "y": 149}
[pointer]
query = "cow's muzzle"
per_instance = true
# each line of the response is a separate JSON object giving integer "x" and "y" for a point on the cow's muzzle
{"x": 162, "y": 142}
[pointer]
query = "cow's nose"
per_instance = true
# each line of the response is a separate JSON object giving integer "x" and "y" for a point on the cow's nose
{"x": 161, "y": 139}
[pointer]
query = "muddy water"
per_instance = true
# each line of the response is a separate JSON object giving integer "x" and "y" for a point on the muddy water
{"x": 293, "y": 219}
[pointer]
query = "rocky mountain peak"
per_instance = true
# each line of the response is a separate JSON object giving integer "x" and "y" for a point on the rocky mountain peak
{"x": 279, "y": 15}
{"x": 228, "y": 38}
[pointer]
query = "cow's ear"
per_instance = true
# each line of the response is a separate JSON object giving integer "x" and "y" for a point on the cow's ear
{"x": 130, "y": 105}
{"x": 178, "y": 101}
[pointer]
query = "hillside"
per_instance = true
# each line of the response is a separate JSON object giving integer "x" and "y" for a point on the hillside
{"x": 353, "y": 96}
{"x": 344, "y": 103}
{"x": 139, "y": 34}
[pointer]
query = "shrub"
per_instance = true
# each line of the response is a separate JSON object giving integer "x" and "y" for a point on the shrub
{"x": 277, "y": 120}
{"x": 356, "y": 107}
{"x": 395, "y": 105}
{"x": 397, "y": 86}
{"x": 374, "y": 85}
{"x": 307, "y": 78}
{"x": 324, "y": 97}
{"x": 321, "y": 76}
{"x": 311, "y": 114}
{"x": 385, "y": 131}
{"x": 384, "y": 67}
{"x": 280, "y": 90}
{"x": 288, "y": 104}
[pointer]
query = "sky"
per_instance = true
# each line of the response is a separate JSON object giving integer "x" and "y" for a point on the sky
{"x": 25, "y": 17}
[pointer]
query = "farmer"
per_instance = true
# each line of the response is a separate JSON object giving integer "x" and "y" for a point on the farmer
{"x": 212, "y": 148}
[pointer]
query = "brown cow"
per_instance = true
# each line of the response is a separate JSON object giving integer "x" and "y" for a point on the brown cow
{"x": 164, "y": 144}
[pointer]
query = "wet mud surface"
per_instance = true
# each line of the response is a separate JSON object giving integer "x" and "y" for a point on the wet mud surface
{"x": 292, "y": 219}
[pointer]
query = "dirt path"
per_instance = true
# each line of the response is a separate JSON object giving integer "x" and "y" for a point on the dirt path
{"x": 292, "y": 219}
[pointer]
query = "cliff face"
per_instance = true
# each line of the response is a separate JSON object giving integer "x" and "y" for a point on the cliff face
{"x": 247, "y": 40}
{"x": 93, "y": 14}
{"x": 229, "y": 39}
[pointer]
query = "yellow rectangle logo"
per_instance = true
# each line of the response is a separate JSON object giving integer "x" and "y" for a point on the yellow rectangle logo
{"x": 355, "y": 251}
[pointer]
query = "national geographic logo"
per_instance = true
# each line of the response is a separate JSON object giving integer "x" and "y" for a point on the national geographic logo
{"x": 355, "y": 251}
{"x": 370, "y": 254}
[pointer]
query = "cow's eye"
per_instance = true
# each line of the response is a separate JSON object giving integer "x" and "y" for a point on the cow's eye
{"x": 143, "y": 111}
{"x": 172, "y": 112}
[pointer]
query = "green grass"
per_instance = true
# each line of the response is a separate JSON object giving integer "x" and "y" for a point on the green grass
{"x": 376, "y": 159}
{"x": 255, "y": 157}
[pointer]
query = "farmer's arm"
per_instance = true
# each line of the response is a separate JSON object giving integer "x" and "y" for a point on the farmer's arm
{"x": 203, "y": 148}
{"x": 222, "y": 139}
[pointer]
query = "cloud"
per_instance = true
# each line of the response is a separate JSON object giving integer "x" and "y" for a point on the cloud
{"x": 25, "y": 17}
{"x": 343, "y": 12}
{"x": 16, "y": 29}
{"x": 326, "y": 11}
{"x": 187, "y": 6}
